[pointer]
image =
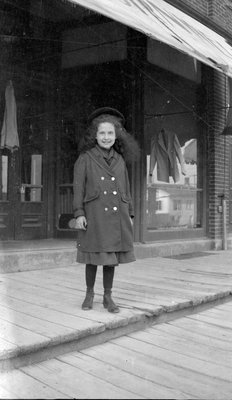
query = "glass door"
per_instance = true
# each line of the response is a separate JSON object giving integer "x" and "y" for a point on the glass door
{"x": 6, "y": 196}
{"x": 22, "y": 206}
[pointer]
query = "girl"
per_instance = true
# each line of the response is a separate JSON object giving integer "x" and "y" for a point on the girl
{"x": 102, "y": 201}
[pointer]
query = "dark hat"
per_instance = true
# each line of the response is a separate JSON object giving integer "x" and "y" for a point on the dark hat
{"x": 108, "y": 111}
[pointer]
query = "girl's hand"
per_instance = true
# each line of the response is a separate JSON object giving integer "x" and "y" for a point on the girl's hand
{"x": 81, "y": 223}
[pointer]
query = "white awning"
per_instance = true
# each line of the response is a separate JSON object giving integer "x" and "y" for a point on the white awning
{"x": 161, "y": 21}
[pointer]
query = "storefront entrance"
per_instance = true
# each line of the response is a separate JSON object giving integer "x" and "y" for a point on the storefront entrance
{"x": 78, "y": 100}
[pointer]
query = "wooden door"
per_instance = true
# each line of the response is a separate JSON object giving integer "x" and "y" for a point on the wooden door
{"x": 22, "y": 195}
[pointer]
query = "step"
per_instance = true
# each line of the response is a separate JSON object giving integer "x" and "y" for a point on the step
{"x": 42, "y": 254}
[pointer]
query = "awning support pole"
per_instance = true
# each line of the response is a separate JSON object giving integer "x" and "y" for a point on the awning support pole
{"x": 224, "y": 226}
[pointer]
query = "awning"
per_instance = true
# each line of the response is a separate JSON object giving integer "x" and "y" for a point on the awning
{"x": 161, "y": 21}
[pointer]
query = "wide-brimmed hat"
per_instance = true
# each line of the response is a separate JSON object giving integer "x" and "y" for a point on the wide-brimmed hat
{"x": 107, "y": 111}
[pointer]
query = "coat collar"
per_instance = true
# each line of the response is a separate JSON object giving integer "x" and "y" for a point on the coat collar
{"x": 106, "y": 154}
{"x": 98, "y": 156}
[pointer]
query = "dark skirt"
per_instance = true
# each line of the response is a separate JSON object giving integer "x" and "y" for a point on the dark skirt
{"x": 113, "y": 258}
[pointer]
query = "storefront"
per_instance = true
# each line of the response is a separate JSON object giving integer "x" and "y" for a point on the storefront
{"x": 90, "y": 60}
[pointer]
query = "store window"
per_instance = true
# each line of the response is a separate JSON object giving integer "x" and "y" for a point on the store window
{"x": 174, "y": 146}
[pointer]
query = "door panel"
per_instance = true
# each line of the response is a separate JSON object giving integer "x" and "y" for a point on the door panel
{"x": 7, "y": 212}
{"x": 22, "y": 205}
{"x": 30, "y": 221}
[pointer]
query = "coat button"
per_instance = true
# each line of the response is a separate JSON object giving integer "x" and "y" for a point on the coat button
{"x": 115, "y": 208}
{"x": 113, "y": 178}
{"x": 106, "y": 208}
{"x": 102, "y": 178}
{"x": 115, "y": 192}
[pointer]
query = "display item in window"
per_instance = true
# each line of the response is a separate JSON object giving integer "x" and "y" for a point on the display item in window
{"x": 165, "y": 151}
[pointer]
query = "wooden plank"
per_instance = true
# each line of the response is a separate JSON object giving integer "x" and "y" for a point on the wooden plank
{"x": 6, "y": 394}
{"x": 211, "y": 319}
{"x": 61, "y": 295}
{"x": 87, "y": 320}
{"x": 72, "y": 316}
{"x": 172, "y": 357}
{"x": 20, "y": 336}
{"x": 175, "y": 279}
{"x": 6, "y": 346}
{"x": 156, "y": 370}
{"x": 207, "y": 330}
{"x": 225, "y": 307}
{"x": 21, "y": 385}
{"x": 125, "y": 297}
{"x": 74, "y": 382}
{"x": 48, "y": 294}
{"x": 218, "y": 314}
{"x": 119, "y": 378}
{"x": 47, "y": 314}
{"x": 45, "y": 279}
{"x": 194, "y": 350}
{"x": 63, "y": 287}
{"x": 178, "y": 277}
{"x": 33, "y": 324}
{"x": 49, "y": 290}
{"x": 190, "y": 336}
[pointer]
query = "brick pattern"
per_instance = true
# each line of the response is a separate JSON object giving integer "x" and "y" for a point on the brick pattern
{"x": 199, "y": 6}
{"x": 217, "y": 11}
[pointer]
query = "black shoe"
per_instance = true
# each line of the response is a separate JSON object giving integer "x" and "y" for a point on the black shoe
{"x": 109, "y": 304}
{"x": 88, "y": 302}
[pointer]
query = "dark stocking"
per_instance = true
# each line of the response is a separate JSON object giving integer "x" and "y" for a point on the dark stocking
{"x": 108, "y": 277}
{"x": 90, "y": 275}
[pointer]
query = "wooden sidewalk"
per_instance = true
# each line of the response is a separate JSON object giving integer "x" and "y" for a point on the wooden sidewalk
{"x": 188, "y": 358}
{"x": 41, "y": 316}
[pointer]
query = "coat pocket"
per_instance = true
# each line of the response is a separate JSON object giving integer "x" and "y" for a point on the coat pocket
{"x": 125, "y": 198}
{"x": 91, "y": 196}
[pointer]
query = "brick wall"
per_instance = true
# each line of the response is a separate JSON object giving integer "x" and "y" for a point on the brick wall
{"x": 218, "y": 12}
{"x": 199, "y": 6}
{"x": 217, "y": 151}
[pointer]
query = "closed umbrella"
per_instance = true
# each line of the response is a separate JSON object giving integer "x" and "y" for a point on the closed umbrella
{"x": 9, "y": 132}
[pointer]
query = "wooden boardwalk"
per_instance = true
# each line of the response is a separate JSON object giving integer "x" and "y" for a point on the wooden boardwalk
{"x": 187, "y": 358}
{"x": 40, "y": 310}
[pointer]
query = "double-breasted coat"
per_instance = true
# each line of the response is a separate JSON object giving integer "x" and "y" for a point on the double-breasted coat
{"x": 102, "y": 195}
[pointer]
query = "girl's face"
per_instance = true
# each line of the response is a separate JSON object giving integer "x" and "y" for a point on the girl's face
{"x": 106, "y": 135}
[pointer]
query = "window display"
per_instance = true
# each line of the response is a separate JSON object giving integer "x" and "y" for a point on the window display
{"x": 174, "y": 193}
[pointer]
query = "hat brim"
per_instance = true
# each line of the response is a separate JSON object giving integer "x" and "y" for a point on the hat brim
{"x": 107, "y": 111}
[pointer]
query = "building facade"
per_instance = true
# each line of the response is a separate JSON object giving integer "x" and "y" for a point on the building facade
{"x": 60, "y": 61}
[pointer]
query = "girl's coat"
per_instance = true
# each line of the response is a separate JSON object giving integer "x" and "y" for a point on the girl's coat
{"x": 102, "y": 195}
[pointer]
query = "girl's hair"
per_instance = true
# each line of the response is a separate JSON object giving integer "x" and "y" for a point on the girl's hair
{"x": 125, "y": 144}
